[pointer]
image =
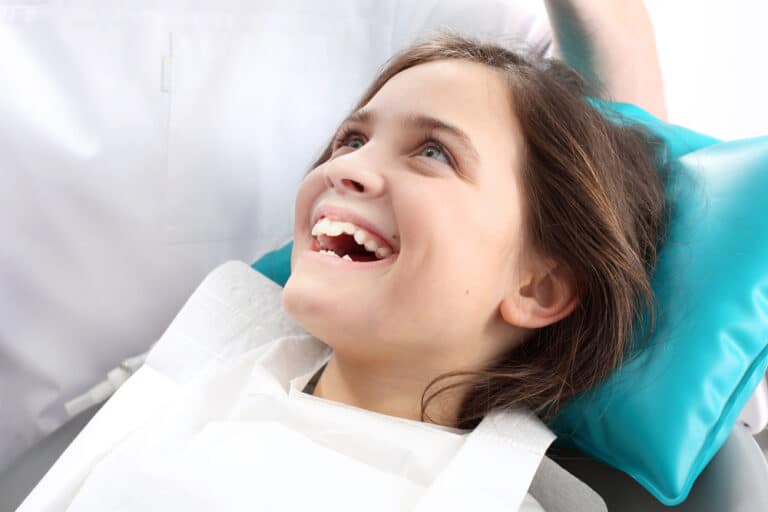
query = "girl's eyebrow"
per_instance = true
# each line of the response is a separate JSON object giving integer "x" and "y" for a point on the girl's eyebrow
{"x": 423, "y": 122}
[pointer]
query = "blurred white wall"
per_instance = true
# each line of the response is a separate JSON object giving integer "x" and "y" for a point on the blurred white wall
{"x": 714, "y": 58}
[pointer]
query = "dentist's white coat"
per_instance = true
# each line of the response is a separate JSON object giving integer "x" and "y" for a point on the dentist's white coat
{"x": 216, "y": 420}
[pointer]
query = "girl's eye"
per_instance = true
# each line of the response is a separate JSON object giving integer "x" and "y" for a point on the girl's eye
{"x": 436, "y": 152}
{"x": 348, "y": 138}
{"x": 354, "y": 142}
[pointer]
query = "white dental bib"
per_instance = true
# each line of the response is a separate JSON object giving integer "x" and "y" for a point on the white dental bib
{"x": 216, "y": 420}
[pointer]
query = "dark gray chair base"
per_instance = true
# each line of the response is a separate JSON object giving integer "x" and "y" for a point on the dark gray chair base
{"x": 735, "y": 481}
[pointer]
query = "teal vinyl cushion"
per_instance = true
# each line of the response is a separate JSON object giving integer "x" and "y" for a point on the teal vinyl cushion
{"x": 276, "y": 264}
{"x": 663, "y": 416}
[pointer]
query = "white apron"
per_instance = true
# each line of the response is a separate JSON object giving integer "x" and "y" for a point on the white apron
{"x": 216, "y": 420}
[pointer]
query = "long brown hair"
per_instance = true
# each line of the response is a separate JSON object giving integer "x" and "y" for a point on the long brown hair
{"x": 594, "y": 201}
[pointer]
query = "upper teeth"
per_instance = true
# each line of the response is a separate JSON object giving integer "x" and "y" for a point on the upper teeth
{"x": 328, "y": 227}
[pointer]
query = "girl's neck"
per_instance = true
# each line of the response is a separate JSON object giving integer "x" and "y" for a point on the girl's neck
{"x": 394, "y": 391}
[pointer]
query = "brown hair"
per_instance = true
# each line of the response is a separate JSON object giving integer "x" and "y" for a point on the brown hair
{"x": 595, "y": 202}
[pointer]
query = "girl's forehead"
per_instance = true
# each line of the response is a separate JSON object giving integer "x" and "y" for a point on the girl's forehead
{"x": 472, "y": 97}
{"x": 448, "y": 83}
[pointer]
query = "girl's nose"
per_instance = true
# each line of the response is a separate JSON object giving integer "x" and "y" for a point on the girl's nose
{"x": 347, "y": 180}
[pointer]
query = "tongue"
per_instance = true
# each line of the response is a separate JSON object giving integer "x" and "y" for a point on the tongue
{"x": 345, "y": 244}
{"x": 363, "y": 257}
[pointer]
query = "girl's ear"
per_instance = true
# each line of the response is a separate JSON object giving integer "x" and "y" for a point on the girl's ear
{"x": 543, "y": 298}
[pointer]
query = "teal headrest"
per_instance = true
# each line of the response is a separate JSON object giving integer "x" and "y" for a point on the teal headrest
{"x": 663, "y": 416}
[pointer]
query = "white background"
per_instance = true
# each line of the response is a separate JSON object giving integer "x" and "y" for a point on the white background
{"x": 714, "y": 58}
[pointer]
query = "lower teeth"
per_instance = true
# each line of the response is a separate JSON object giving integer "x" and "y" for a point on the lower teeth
{"x": 331, "y": 253}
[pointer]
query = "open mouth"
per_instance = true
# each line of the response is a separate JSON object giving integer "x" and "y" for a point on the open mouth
{"x": 347, "y": 241}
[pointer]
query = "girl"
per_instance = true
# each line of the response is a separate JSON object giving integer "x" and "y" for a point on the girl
{"x": 500, "y": 226}
{"x": 474, "y": 245}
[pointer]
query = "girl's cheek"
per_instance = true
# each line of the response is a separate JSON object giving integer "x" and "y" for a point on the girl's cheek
{"x": 313, "y": 183}
{"x": 308, "y": 190}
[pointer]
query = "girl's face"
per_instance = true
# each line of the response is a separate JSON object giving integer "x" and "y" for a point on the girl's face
{"x": 422, "y": 193}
